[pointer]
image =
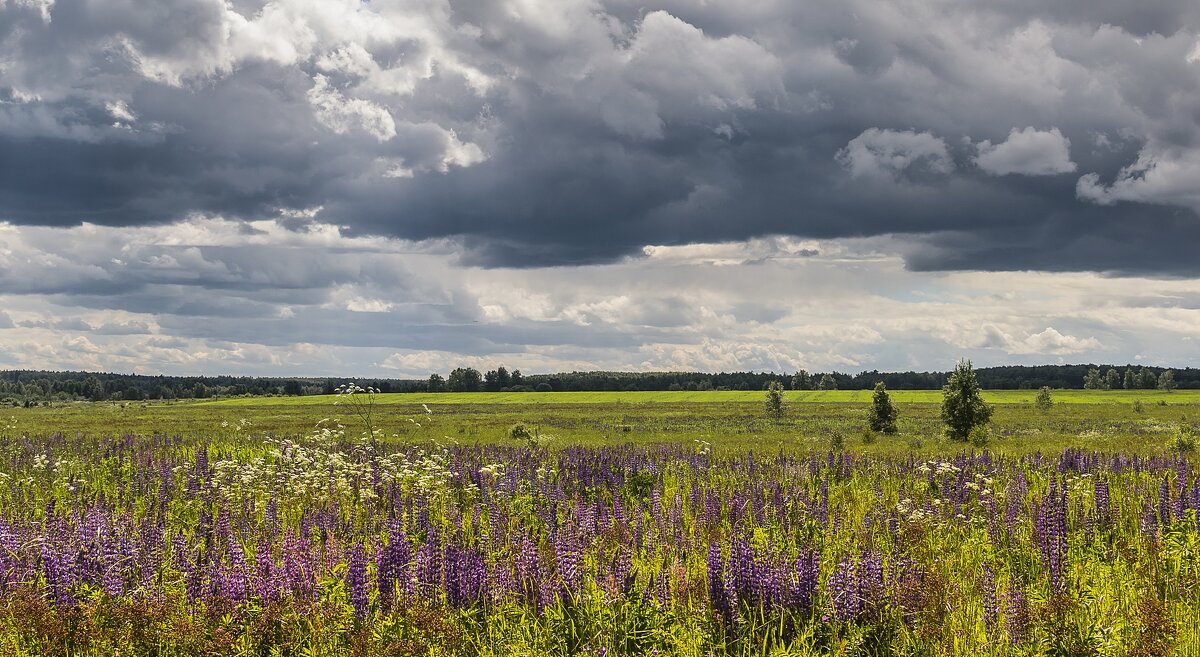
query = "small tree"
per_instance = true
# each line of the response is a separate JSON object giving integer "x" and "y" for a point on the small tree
{"x": 963, "y": 407}
{"x": 1092, "y": 380}
{"x": 827, "y": 382}
{"x": 883, "y": 414}
{"x": 1044, "y": 401}
{"x": 1166, "y": 381}
{"x": 775, "y": 406}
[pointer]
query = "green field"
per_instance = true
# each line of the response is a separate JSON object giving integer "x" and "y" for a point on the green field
{"x": 1105, "y": 420}
{"x": 635, "y": 524}
{"x": 730, "y": 396}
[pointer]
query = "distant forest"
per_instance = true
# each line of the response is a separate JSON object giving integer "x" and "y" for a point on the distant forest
{"x": 32, "y": 387}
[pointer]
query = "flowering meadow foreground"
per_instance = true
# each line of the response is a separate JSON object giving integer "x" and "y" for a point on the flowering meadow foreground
{"x": 162, "y": 546}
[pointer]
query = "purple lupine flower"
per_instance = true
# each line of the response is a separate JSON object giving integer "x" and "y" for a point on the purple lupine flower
{"x": 60, "y": 577}
{"x": 742, "y": 569}
{"x": 429, "y": 566}
{"x": 870, "y": 581}
{"x": 356, "y": 581}
{"x": 801, "y": 584}
{"x": 716, "y": 583}
{"x": 1051, "y": 532}
{"x": 298, "y": 566}
{"x": 1165, "y": 508}
{"x": 1103, "y": 501}
{"x": 393, "y": 572}
{"x": 233, "y": 577}
{"x": 1016, "y": 613}
{"x": 989, "y": 596}
{"x": 842, "y": 590}
{"x": 266, "y": 577}
{"x": 527, "y": 570}
{"x": 112, "y": 579}
{"x": 567, "y": 559}
{"x": 1149, "y": 524}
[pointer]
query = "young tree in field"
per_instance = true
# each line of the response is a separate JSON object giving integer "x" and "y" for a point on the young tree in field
{"x": 963, "y": 408}
{"x": 1043, "y": 401}
{"x": 1166, "y": 381}
{"x": 775, "y": 406}
{"x": 827, "y": 382}
{"x": 883, "y": 414}
{"x": 1092, "y": 380}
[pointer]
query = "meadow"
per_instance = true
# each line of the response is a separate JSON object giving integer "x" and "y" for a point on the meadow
{"x": 599, "y": 524}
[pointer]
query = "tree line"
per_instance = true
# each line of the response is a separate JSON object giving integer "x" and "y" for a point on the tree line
{"x": 26, "y": 386}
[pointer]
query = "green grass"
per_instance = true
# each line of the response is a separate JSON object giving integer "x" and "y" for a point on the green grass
{"x": 737, "y": 420}
{"x": 724, "y": 396}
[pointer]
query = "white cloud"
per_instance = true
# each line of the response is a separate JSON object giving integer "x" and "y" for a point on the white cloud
{"x": 1161, "y": 174}
{"x": 341, "y": 114}
{"x": 1027, "y": 152}
{"x": 219, "y": 296}
{"x": 878, "y": 152}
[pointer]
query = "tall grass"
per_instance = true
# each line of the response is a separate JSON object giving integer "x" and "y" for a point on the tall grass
{"x": 324, "y": 546}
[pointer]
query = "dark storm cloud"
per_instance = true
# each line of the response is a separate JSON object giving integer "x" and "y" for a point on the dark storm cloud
{"x": 1012, "y": 136}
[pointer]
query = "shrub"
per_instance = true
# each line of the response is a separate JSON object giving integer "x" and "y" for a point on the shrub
{"x": 1184, "y": 442}
{"x": 774, "y": 400}
{"x": 1044, "y": 401}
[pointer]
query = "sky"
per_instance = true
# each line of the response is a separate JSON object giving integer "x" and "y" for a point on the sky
{"x": 394, "y": 188}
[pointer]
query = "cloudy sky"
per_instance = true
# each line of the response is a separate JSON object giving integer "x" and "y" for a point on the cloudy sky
{"x": 391, "y": 188}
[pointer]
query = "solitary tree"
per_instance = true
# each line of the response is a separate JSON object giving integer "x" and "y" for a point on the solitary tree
{"x": 883, "y": 413}
{"x": 1043, "y": 400}
{"x": 775, "y": 405}
{"x": 963, "y": 408}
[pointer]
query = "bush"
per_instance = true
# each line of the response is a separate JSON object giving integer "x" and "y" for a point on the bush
{"x": 1138, "y": 407}
{"x": 837, "y": 442}
{"x": 980, "y": 436}
{"x": 868, "y": 436}
{"x": 1184, "y": 442}
{"x": 1044, "y": 401}
{"x": 774, "y": 400}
